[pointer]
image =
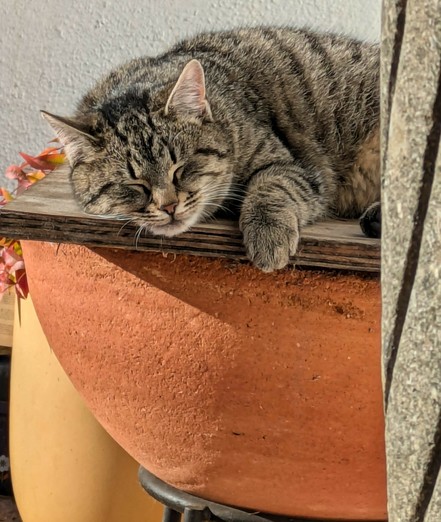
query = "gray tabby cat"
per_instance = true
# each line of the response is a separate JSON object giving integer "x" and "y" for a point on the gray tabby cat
{"x": 281, "y": 123}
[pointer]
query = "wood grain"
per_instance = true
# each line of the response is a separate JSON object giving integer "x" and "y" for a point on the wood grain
{"x": 48, "y": 212}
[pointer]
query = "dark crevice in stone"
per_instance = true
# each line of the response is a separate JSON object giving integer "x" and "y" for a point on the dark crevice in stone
{"x": 413, "y": 253}
{"x": 430, "y": 477}
{"x": 395, "y": 60}
{"x": 396, "y": 51}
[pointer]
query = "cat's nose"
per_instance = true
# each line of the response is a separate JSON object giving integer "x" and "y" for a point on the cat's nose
{"x": 169, "y": 208}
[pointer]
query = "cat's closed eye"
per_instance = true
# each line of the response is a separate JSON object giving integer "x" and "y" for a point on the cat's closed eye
{"x": 141, "y": 186}
{"x": 177, "y": 173}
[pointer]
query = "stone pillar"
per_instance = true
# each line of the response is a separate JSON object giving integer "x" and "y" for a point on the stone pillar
{"x": 411, "y": 256}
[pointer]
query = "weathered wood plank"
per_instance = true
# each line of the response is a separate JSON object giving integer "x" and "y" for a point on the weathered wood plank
{"x": 411, "y": 278}
{"x": 48, "y": 212}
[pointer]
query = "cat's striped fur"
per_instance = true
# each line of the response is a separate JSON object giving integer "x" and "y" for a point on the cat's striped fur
{"x": 285, "y": 125}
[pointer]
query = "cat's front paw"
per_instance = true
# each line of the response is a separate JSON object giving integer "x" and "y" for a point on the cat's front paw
{"x": 269, "y": 245}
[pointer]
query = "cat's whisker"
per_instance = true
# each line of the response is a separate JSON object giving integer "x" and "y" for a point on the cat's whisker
{"x": 176, "y": 136}
{"x": 129, "y": 221}
{"x": 109, "y": 217}
{"x": 136, "y": 238}
{"x": 141, "y": 229}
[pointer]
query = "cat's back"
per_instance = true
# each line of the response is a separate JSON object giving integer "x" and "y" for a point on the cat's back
{"x": 266, "y": 62}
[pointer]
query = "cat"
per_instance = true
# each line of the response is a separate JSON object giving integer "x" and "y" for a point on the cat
{"x": 281, "y": 123}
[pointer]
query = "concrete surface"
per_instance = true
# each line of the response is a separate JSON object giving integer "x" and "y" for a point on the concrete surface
{"x": 411, "y": 259}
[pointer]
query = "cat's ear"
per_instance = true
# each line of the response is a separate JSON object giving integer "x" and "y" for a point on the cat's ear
{"x": 75, "y": 135}
{"x": 188, "y": 98}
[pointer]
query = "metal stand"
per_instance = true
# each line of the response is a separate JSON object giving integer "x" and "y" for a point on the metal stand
{"x": 194, "y": 509}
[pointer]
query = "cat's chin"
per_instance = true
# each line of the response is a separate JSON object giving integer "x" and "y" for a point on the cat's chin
{"x": 174, "y": 228}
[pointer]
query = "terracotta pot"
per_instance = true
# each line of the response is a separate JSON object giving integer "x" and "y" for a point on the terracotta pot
{"x": 257, "y": 390}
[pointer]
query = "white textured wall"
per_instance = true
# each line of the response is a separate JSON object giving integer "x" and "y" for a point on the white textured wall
{"x": 51, "y": 51}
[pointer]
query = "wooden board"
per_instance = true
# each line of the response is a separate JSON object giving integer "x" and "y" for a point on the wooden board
{"x": 7, "y": 305}
{"x": 48, "y": 212}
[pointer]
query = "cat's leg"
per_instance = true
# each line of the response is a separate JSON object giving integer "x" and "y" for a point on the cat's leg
{"x": 280, "y": 199}
{"x": 370, "y": 221}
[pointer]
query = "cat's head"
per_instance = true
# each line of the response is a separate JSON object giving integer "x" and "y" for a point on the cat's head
{"x": 165, "y": 167}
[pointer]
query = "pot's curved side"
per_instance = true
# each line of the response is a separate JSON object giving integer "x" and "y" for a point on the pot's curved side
{"x": 246, "y": 388}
